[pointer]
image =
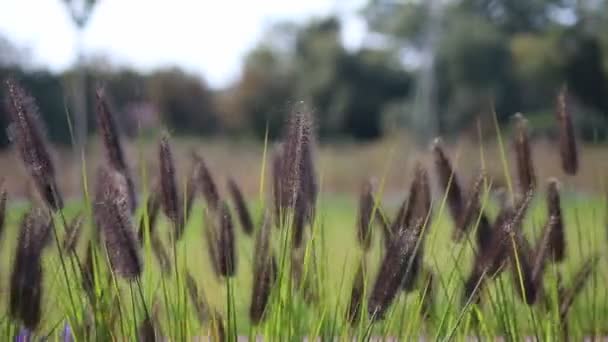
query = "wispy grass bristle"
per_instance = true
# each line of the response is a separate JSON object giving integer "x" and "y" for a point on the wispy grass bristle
{"x": 199, "y": 301}
{"x": 353, "y": 311}
{"x": 73, "y": 233}
{"x": 112, "y": 217}
{"x": 110, "y": 138}
{"x": 218, "y": 328}
{"x": 265, "y": 271}
{"x": 364, "y": 216}
{"x": 28, "y": 134}
{"x": 567, "y": 296}
{"x": 26, "y": 277}
{"x": 381, "y": 218}
{"x": 567, "y": 139}
{"x": 428, "y": 293}
{"x": 277, "y": 189}
{"x": 526, "y": 175}
{"x": 170, "y": 198}
{"x": 303, "y": 273}
{"x": 526, "y": 284}
{"x": 160, "y": 253}
{"x": 241, "y": 207}
{"x": 152, "y": 210}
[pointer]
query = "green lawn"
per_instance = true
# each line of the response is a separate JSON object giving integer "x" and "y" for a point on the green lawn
{"x": 337, "y": 254}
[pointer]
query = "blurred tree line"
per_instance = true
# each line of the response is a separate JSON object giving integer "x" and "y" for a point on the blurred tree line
{"x": 513, "y": 55}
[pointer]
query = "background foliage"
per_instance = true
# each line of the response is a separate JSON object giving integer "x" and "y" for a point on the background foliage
{"x": 432, "y": 67}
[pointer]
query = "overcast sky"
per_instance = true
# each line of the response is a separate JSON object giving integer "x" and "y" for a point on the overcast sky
{"x": 206, "y": 37}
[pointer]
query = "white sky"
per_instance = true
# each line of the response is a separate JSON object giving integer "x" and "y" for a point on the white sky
{"x": 206, "y": 37}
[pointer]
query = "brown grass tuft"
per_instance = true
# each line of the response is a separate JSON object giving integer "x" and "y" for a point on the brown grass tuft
{"x": 219, "y": 233}
{"x": 527, "y": 285}
{"x": 26, "y": 277}
{"x": 206, "y": 183}
{"x": 112, "y": 217}
{"x": 111, "y": 141}
{"x": 191, "y": 192}
{"x": 364, "y": 217}
{"x": 265, "y": 272}
{"x": 226, "y": 243}
{"x": 149, "y": 220}
{"x": 567, "y": 139}
{"x": 297, "y": 176}
{"x": 471, "y": 209}
{"x": 402, "y": 260}
{"x": 392, "y": 272}
{"x": 567, "y": 296}
{"x": 448, "y": 182}
{"x": 353, "y": 311}
{"x": 492, "y": 251}
{"x": 199, "y": 301}
{"x": 421, "y": 216}
{"x": 241, "y": 206}
{"x": 149, "y": 329}
{"x": 27, "y": 131}
{"x": 218, "y": 328}
{"x": 555, "y": 221}
{"x": 170, "y": 199}
{"x": 523, "y": 156}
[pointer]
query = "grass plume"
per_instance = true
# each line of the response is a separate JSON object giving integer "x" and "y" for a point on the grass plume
{"x": 110, "y": 138}
{"x": 26, "y": 278}
{"x": 449, "y": 184}
{"x": 567, "y": 296}
{"x": 567, "y": 140}
{"x": 170, "y": 199}
{"x": 402, "y": 259}
{"x": 364, "y": 215}
{"x": 206, "y": 183}
{"x": 353, "y": 311}
{"x": 112, "y": 217}
{"x": 471, "y": 209}
{"x": 200, "y": 304}
{"x": 29, "y": 137}
{"x": 523, "y": 156}
{"x": 241, "y": 206}
{"x": 265, "y": 271}
{"x": 297, "y": 178}
{"x": 555, "y": 222}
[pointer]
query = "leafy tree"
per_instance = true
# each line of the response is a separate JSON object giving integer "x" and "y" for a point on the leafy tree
{"x": 185, "y": 102}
